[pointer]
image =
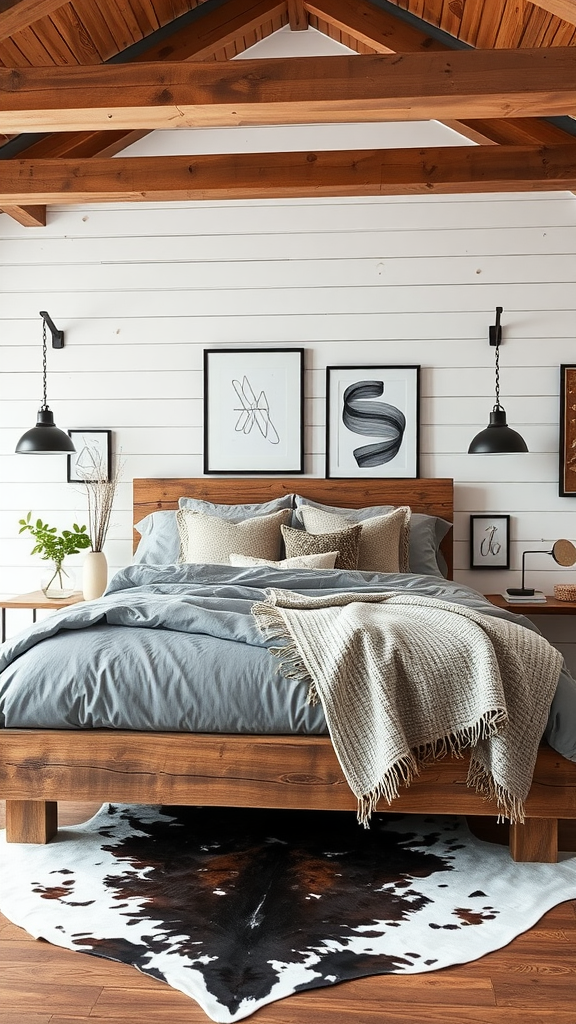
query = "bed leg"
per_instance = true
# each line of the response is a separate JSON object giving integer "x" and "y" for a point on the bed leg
{"x": 31, "y": 821}
{"x": 535, "y": 840}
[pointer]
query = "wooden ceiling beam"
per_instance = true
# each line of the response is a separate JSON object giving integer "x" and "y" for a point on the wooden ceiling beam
{"x": 565, "y": 9}
{"x": 200, "y": 40}
{"x": 23, "y": 13}
{"x": 386, "y": 33}
{"x": 289, "y": 175}
{"x": 303, "y": 90}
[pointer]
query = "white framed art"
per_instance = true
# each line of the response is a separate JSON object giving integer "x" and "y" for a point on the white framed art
{"x": 372, "y": 421}
{"x": 93, "y": 449}
{"x": 490, "y": 542}
{"x": 253, "y": 410}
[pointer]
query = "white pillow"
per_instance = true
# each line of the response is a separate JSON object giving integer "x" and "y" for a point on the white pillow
{"x": 205, "y": 538}
{"x": 324, "y": 561}
{"x": 384, "y": 540}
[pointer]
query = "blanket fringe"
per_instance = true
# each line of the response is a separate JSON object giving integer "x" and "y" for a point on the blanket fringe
{"x": 509, "y": 807}
{"x": 454, "y": 744}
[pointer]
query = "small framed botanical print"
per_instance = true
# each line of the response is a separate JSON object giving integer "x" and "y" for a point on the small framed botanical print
{"x": 490, "y": 542}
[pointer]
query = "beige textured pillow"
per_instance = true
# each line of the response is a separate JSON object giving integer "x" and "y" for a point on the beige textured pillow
{"x": 205, "y": 538}
{"x": 384, "y": 540}
{"x": 299, "y": 543}
{"x": 321, "y": 561}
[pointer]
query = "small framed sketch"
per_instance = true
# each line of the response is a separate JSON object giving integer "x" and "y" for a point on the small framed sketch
{"x": 253, "y": 410}
{"x": 489, "y": 542}
{"x": 93, "y": 451}
{"x": 372, "y": 421}
{"x": 567, "y": 487}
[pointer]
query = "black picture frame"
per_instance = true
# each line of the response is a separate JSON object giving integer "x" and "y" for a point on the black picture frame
{"x": 354, "y": 405}
{"x": 490, "y": 541}
{"x": 254, "y": 411}
{"x": 100, "y": 442}
{"x": 567, "y": 467}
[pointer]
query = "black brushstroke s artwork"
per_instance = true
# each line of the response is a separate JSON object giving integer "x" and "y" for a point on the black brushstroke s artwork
{"x": 362, "y": 415}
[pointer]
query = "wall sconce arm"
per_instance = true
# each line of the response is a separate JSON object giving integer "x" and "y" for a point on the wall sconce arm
{"x": 57, "y": 336}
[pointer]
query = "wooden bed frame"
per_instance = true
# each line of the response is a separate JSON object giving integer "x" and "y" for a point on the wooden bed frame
{"x": 39, "y": 767}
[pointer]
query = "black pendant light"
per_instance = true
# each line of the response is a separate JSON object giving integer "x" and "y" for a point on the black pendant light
{"x": 497, "y": 438}
{"x": 45, "y": 438}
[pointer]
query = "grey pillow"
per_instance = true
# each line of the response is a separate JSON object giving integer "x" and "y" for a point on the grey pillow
{"x": 238, "y": 512}
{"x": 160, "y": 540}
{"x": 347, "y": 542}
{"x": 426, "y": 533}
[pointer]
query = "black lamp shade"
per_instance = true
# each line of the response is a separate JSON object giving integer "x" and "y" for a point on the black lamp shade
{"x": 45, "y": 438}
{"x": 497, "y": 438}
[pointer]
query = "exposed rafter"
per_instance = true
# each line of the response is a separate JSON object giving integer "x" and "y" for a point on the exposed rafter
{"x": 289, "y": 175}
{"x": 565, "y": 9}
{"x": 19, "y": 15}
{"x": 382, "y": 30}
{"x": 303, "y": 90}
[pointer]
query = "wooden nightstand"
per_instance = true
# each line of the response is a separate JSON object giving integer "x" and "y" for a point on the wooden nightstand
{"x": 550, "y": 607}
{"x": 35, "y": 600}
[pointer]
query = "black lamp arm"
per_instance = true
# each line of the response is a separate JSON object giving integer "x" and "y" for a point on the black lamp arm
{"x": 495, "y": 332}
{"x": 57, "y": 336}
{"x": 522, "y": 589}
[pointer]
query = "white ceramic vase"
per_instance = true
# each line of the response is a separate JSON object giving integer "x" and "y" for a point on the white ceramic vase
{"x": 94, "y": 575}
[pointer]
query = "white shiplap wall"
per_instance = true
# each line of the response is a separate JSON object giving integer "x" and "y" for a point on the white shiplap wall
{"x": 142, "y": 289}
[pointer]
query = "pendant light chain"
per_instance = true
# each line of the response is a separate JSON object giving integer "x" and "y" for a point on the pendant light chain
{"x": 497, "y": 406}
{"x": 45, "y": 400}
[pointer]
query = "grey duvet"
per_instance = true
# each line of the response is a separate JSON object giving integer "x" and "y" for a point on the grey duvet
{"x": 176, "y": 648}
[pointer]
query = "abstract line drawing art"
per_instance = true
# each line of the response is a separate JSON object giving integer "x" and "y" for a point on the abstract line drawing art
{"x": 380, "y": 404}
{"x": 490, "y": 542}
{"x": 93, "y": 449}
{"x": 254, "y": 411}
{"x": 373, "y": 419}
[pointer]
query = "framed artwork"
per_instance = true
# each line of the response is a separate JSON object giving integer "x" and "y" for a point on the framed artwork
{"x": 254, "y": 410}
{"x": 490, "y": 542}
{"x": 93, "y": 448}
{"x": 567, "y": 478}
{"x": 372, "y": 421}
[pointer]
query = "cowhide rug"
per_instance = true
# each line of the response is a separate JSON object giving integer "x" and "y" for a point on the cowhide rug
{"x": 237, "y": 908}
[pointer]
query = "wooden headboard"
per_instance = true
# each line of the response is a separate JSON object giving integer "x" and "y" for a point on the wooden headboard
{"x": 432, "y": 497}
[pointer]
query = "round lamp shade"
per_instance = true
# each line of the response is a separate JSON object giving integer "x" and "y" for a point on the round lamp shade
{"x": 497, "y": 438}
{"x": 45, "y": 438}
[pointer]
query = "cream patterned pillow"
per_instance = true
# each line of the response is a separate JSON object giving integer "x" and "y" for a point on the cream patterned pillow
{"x": 299, "y": 543}
{"x": 322, "y": 561}
{"x": 205, "y": 538}
{"x": 384, "y": 540}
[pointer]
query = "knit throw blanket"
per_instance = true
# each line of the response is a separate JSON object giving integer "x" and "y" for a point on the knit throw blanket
{"x": 405, "y": 679}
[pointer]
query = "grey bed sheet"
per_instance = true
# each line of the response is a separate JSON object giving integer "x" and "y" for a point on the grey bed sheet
{"x": 176, "y": 648}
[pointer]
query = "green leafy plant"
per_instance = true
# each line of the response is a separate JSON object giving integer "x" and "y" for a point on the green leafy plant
{"x": 50, "y": 544}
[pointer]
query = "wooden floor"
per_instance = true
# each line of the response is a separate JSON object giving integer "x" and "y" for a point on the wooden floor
{"x": 530, "y": 981}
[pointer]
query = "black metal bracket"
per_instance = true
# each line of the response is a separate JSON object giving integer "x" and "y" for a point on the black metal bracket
{"x": 57, "y": 336}
{"x": 495, "y": 332}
